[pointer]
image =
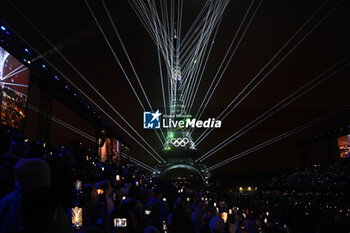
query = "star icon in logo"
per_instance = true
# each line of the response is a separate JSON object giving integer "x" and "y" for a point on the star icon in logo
{"x": 156, "y": 115}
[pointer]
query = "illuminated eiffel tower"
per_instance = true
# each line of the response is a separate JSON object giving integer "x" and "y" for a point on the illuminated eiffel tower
{"x": 178, "y": 138}
{"x": 185, "y": 58}
{"x": 179, "y": 149}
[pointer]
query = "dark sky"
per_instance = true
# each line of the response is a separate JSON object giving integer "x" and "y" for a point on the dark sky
{"x": 69, "y": 25}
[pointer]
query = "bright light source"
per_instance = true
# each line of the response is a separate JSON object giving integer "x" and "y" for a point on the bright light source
{"x": 224, "y": 216}
{"x": 3, "y": 28}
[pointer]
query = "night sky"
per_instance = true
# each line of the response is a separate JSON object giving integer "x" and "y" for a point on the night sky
{"x": 70, "y": 26}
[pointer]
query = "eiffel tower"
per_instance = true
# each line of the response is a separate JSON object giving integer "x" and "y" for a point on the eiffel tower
{"x": 184, "y": 58}
{"x": 177, "y": 109}
{"x": 179, "y": 149}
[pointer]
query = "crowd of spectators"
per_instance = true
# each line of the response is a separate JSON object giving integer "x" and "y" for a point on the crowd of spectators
{"x": 67, "y": 189}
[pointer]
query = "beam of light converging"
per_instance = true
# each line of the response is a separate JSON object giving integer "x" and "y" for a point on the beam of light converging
{"x": 282, "y": 136}
{"x": 126, "y": 53}
{"x": 131, "y": 64}
{"x": 14, "y": 84}
{"x": 192, "y": 30}
{"x": 66, "y": 125}
{"x": 193, "y": 63}
{"x": 161, "y": 74}
{"x": 214, "y": 13}
{"x": 204, "y": 56}
{"x": 319, "y": 79}
{"x": 179, "y": 24}
{"x": 123, "y": 70}
{"x": 190, "y": 42}
{"x": 145, "y": 166}
{"x": 201, "y": 55}
{"x": 139, "y": 164}
{"x": 143, "y": 16}
{"x": 13, "y": 74}
{"x": 82, "y": 92}
{"x": 83, "y": 77}
{"x": 89, "y": 137}
{"x": 189, "y": 93}
{"x": 205, "y": 64}
{"x": 151, "y": 22}
{"x": 158, "y": 46}
{"x": 198, "y": 54}
{"x": 13, "y": 71}
{"x": 185, "y": 61}
{"x": 157, "y": 34}
{"x": 206, "y": 132}
{"x": 148, "y": 16}
{"x": 166, "y": 29}
{"x": 72, "y": 128}
{"x": 201, "y": 108}
{"x": 196, "y": 42}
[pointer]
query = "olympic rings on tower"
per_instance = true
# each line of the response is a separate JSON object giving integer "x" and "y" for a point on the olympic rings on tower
{"x": 179, "y": 142}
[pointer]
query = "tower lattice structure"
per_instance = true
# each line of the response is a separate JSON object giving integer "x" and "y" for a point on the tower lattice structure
{"x": 177, "y": 107}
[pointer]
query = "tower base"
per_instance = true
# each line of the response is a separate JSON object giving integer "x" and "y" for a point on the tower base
{"x": 184, "y": 163}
